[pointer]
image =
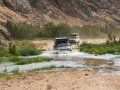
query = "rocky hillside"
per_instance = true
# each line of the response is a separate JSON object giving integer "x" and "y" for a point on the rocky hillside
{"x": 4, "y": 36}
{"x": 77, "y": 12}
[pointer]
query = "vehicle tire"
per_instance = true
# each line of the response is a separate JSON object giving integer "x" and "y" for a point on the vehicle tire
{"x": 76, "y": 43}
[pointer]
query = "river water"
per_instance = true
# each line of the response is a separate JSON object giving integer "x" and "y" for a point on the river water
{"x": 102, "y": 64}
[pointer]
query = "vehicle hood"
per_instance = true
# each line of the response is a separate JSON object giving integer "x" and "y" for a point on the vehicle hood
{"x": 63, "y": 48}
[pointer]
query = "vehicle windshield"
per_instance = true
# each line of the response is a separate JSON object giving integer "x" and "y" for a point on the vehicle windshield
{"x": 62, "y": 44}
{"x": 74, "y": 37}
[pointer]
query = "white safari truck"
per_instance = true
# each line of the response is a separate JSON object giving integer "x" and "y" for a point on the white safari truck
{"x": 74, "y": 38}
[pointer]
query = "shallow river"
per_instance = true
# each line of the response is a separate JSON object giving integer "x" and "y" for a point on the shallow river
{"x": 102, "y": 64}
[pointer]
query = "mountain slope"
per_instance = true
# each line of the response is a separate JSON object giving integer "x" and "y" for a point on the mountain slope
{"x": 4, "y": 36}
{"x": 76, "y": 12}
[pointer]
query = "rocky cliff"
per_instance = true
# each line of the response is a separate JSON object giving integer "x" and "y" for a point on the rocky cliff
{"x": 77, "y": 12}
{"x": 4, "y": 36}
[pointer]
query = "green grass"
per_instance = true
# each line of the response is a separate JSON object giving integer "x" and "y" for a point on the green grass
{"x": 19, "y": 61}
{"x": 4, "y": 75}
{"x": 14, "y": 59}
{"x": 19, "y": 48}
{"x": 13, "y": 74}
{"x": 16, "y": 72}
{"x": 113, "y": 48}
{"x": 1, "y": 61}
{"x": 44, "y": 68}
{"x": 27, "y": 50}
{"x": 47, "y": 68}
{"x": 4, "y": 52}
{"x": 52, "y": 67}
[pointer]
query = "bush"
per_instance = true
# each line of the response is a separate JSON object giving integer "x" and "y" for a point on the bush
{"x": 16, "y": 71}
{"x": 14, "y": 59}
{"x": 113, "y": 48}
{"x": 27, "y": 50}
{"x": 1, "y": 61}
{"x": 4, "y": 75}
{"x": 22, "y": 30}
{"x": 20, "y": 61}
{"x": 51, "y": 30}
{"x": 12, "y": 49}
{"x": 20, "y": 49}
{"x": 4, "y": 52}
{"x": 33, "y": 60}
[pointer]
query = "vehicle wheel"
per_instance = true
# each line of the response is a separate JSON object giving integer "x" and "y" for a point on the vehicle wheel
{"x": 69, "y": 49}
{"x": 78, "y": 43}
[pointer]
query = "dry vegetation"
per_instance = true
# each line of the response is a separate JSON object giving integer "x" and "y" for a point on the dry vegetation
{"x": 51, "y": 30}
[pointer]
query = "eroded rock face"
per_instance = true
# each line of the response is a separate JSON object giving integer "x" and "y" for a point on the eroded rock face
{"x": 4, "y": 36}
{"x": 89, "y": 11}
{"x": 19, "y": 5}
{"x": 83, "y": 9}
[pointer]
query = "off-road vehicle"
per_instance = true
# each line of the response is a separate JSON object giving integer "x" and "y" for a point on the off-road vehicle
{"x": 74, "y": 38}
{"x": 62, "y": 43}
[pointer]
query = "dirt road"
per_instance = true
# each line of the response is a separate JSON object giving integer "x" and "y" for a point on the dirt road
{"x": 64, "y": 80}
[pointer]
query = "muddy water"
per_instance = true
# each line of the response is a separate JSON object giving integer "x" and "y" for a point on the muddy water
{"x": 102, "y": 64}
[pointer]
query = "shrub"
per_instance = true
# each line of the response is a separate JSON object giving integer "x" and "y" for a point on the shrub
{"x": 22, "y": 30}
{"x": 27, "y": 50}
{"x": 14, "y": 59}
{"x": 4, "y": 52}
{"x": 51, "y": 30}
{"x": 20, "y": 49}
{"x": 16, "y": 71}
{"x": 20, "y": 61}
{"x": 4, "y": 75}
{"x": 33, "y": 60}
{"x": 12, "y": 49}
{"x": 113, "y": 48}
{"x": 1, "y": 61}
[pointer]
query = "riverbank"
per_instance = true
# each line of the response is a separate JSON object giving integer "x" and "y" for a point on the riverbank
{"x": 61, "y": 80}
{"x": 111, "y": 46}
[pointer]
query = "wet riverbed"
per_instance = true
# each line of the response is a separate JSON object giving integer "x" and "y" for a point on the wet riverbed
{"x": 102, "y": 64}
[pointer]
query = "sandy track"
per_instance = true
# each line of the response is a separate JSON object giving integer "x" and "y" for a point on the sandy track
{"x": 65, "y": 80}
{"x": 44, "y": 44}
